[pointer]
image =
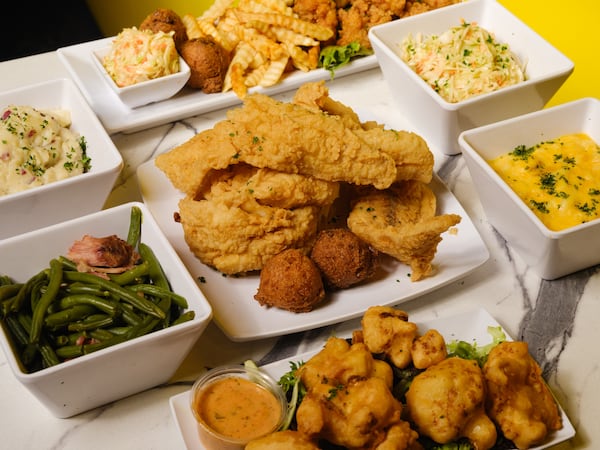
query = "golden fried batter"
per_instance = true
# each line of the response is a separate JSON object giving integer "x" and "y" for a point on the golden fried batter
{"x": 288, "y": 439}
{"x": 242, "y": 238}
{"x": 428, "y": 349}
{"x": 339, "y": 362}
{"x": 343, "y": 258}
{"x": 387, "y": 331}
{"x": 519, "y": 400}
{"x": 290, "y": 281}
{"x": 401, "y": 222}
{"x": 447, "y": 401}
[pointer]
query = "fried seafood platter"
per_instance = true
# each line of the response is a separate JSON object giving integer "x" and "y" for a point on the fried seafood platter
{"x": 354, "y": 200}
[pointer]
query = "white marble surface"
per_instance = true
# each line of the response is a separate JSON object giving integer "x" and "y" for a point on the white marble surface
{"x": 559, "y": 319}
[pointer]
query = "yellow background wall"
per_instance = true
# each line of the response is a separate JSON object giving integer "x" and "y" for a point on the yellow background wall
{"x": 572, "y": 27}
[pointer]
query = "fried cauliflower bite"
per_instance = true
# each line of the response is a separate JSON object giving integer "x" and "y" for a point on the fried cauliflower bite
{"x": 519, "y": 400}
{"x": 387, "y": 331}
{"x": 447, "y": 402}
{"x": 428, "y": 349}
{"x": 339, "y": 362}
{"x": 287, "y": 439}
{"x": 355, "y": 415}
{"x": 402, "y": 222}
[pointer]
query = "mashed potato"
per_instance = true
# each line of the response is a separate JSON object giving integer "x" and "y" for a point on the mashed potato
{"x": 37, "y": 148}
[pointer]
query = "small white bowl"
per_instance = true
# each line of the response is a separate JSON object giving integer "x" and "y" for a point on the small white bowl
{"x": 72, "y": 197}
{"x": 106, "y": 375}
{"x": 146, "y": 92}
{"x": 439, "y": 121}
{"x": 551, "y": 254}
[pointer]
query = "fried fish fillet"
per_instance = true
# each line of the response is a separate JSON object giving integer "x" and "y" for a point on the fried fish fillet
{"x": 241, "y": 238}
{"x": 401, "y": 221}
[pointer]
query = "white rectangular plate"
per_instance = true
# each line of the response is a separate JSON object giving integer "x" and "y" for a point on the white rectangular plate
{"x": 467, "y": 326}
{"x": 116, "y": 117}
{"x": 232, "y": 298}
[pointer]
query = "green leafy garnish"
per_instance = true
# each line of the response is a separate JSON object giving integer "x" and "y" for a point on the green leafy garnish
{"x": 333, "y": 57}
{"x": 294, "y": 391}
{"x": 467, "y": 350}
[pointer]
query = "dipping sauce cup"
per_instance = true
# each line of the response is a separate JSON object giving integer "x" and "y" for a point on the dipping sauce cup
{"x": 234, "y": 405}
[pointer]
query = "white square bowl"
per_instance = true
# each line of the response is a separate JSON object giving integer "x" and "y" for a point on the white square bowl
{"x": 145, "y": 92}
{"x": 74, "y": 196}
{"x": 439, "y": 121}
{"x": 106, "y": 375}
{"x": 551, "y": 254}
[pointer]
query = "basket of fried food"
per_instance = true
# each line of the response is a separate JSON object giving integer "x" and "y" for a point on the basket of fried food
{"x": 236, "y": 45}
{"x": 395, "y": 386}
{"x": 306, "y": 194}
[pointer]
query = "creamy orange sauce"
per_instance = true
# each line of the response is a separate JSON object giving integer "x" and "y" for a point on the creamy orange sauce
{"x": 238, "y": 408}
{"x": 558, "y": 179}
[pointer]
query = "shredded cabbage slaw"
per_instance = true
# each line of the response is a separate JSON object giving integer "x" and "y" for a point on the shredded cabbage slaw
{"x": 141, "y": 55}
{"x": 462, "y": 62}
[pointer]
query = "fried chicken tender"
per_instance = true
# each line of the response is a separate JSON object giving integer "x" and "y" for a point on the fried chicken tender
{"x": 291, "y": 281}
{"x": 401, "y": 222}
{"x": 414, "y": 7}
{"x": 288, "y": 439}
{"x": 343, "y": 258}
{"x": 387, "y": 331}
{"x": 519, "y": 400}
{"x": 447, "y": 401}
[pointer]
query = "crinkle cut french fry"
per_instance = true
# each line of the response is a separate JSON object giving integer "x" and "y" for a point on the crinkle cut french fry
{"x": 274, "y": 71}
{"x": 216, "y": 10}
{"x": 300, "y": 26}
{"x": 191, "y": 26}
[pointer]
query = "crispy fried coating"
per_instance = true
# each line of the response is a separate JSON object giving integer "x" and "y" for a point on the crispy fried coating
{"x": 519, "y": 400}
{"x": 288, "y": 439}
{"x": 355, "y": 415}
{"x": 386, "y": 330}
{"x": 356, "y": 20}
{"x": 166, "y": 20}
{"x": 322, "y": 12}
{"x": 339, "y": 362}
{"x": 401, "y": 222}
{"x": 208, "y": 62}
{"x": 343, "y": 258}
{"x": 290, "y": 281}
{"x": 447, "y": 401}
{"x": 243, "y": 237}
{"x": 411, "y": 154}
{"x": 428, "y": 349}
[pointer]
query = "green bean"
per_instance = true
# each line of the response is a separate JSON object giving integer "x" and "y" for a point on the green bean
{"x": 103, "y": 304}
{"x": 91, "y": 323}
{"x": 20, "y": 334}
{"x": 157, "y": 291}
{"x": 81, "y": 288}
{"x": 5, "y": 279}
{"x": 135, "y": 227}
{"x": 67, "y": 315}
{"x": 122, "y": 293}
{"x": 67, "y": 263}
{"x": 129, "y": 315}
{"x": 9, "y": 290}
{"x": 185, "y": 317}
{"x": 69, "y": 351}
{"x": 137, "y": 272}
{"x": 61, "y": 340}
{"x": 26, "y": 289}
{"x": 37, "y": 321}
{"x": 49, "y": 357}
{"x": 155, "y": 271}
{"x": 101, "y": 334}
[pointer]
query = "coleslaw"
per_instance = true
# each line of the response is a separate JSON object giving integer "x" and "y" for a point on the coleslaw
{"x": 141, "y": 55}
{"x": 462, "y": 62}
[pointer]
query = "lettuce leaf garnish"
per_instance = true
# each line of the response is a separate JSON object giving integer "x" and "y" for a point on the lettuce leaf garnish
{"x": 470, "y": 350}
{"x": 333, "y": 57}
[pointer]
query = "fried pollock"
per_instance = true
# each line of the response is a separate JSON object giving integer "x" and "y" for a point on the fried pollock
{"x": 402, "y": 222}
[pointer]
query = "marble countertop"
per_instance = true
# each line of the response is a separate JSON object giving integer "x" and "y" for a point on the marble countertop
{"x": 559, "y": 319}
